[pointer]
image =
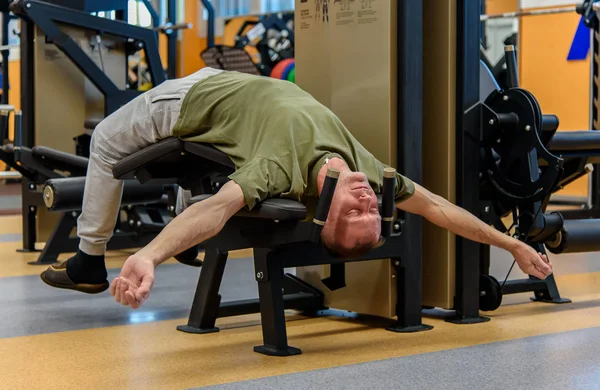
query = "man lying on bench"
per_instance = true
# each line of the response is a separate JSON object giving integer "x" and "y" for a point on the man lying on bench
{"x": 282, "y": 141}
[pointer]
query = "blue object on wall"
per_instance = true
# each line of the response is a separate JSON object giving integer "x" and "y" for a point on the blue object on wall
{"x": 581, "y": 43}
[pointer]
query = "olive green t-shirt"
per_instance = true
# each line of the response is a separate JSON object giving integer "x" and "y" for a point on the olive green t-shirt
{"x": 277, "y": 135}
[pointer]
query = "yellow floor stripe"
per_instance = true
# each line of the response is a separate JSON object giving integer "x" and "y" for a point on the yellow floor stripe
{"x": 13, "y": 263}
{"x": 155, "y": 355}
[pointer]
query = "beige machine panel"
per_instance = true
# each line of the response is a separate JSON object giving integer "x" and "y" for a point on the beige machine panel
{"x": 64, "y": 98}
{"x": 346, "y": 58}
{"x": 439, "y": 145}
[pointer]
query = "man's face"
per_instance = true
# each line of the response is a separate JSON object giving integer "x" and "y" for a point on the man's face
{"x": 354, "y": 211}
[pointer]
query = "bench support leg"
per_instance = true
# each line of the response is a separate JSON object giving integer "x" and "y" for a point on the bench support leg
{"x": 408, "y": 305}
{"x": 207, "y": 300}
{"x": 59, "y": 240}
{"x": 269, "y": 275}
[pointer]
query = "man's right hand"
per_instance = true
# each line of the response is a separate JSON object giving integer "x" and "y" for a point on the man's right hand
{"x": 132, "y": 287}
{"x": 531, "y": 262}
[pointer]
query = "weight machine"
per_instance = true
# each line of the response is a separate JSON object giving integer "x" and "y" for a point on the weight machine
{"x": 73, "y": 73}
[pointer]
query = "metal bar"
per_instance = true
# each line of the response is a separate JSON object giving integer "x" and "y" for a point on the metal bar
{"x": 467, "y": 161}
{"x": 10, "y": 175}
{"x": 269, "y": 275}
{"x": 5, "y": 55}
{"x": 251, "y": 306}
{"x": 172, "y": 40}
{"x": 210, "y": 28}
{"x": 205, "y": 306}
{"x": 5, "y": 47}
{"x": 519, "y": 14}
{"x": 409, "y": 148}
{"x": 46, "y": 16}
{"x": 522, "y": 285}
{"x": 28, "y": 82}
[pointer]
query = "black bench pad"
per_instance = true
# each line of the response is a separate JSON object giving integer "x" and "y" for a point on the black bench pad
{"x": 575, "y": 141}
{"x": 276, "y": 208}
{"x": 173, "y": 157}
{"x": 56, "y": 156}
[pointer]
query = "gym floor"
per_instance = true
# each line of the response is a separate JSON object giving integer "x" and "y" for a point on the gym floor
{"x": 61, "y": 339}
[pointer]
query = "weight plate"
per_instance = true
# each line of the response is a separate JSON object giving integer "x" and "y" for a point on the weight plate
{"x": 490, "y": 293}
{"x": 287, "y": 70}
{"x": 292, "y": 75}
{"x": 278, "y": 69}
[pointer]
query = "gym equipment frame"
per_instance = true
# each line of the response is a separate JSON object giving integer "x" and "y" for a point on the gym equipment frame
{"x": 47, "y": 17}
{"x": 41, "y": 166}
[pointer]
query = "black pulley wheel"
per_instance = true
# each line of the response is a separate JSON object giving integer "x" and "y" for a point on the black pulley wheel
{"x": 490, "y": 293}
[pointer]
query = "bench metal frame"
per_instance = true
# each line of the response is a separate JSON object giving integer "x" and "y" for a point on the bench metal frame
{"x": 277, "y": 243}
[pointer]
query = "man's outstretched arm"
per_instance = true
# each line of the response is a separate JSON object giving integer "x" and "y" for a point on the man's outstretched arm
{"x": 443, "y": 213}
{"x": 194, "y": 225}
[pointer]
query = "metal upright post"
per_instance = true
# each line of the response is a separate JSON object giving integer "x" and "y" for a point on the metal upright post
{"x": 468, "y": 127}
{"x": 410, "y": 138}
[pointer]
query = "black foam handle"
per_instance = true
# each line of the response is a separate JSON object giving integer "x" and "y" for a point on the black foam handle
{"x": 511, "y": 66}
{"x": 387, "y": 204}
{"x": 553, "y": 224}
{"x": 576, "y": 236}
{"x": 66, "y": 194}
{"x": 324, "y": 203}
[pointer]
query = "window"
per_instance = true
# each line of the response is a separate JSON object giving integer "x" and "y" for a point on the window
{"x": 230, "y": 8}
{"x": 277, "y": 5}
{"x": 138, "y": 14}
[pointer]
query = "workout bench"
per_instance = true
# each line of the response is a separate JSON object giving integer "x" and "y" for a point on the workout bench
{"x": 280, "y": 237}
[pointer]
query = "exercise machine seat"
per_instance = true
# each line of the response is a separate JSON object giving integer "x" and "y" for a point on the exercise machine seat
{"x": 172, "y": 158}
{"x": 150, "y": 154}
{"x": 56, "y": 156}
{"x": 575, "y": 141}
{"x": 91, "y": 123}
{"x": 273, "y": 208}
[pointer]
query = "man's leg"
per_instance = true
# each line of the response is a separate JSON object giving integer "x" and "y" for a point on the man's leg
{"x": 140, "y": 123}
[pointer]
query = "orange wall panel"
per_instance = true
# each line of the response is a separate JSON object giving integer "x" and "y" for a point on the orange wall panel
{"x": 493, "y": 7}
{"x": 562, "y": 87}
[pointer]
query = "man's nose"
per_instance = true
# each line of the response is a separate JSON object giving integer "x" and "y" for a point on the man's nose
{"x": 366, "y": 195}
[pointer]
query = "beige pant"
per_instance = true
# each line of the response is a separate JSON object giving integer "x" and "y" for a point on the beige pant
{"x": 143, "y": 121}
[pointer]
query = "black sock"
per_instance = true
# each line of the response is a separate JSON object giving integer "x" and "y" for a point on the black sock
{"x": 84, "y": 268}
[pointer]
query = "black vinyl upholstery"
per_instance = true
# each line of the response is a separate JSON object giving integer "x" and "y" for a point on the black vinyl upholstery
{"x": 174, "y": 158}
{"x": 61, "y": 160}
{"x": 275, "y": 208}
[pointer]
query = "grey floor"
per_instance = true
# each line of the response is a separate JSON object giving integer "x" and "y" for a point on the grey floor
{"x": 29, "y": 307}
{"x": 559, "y": 361}
{"x": 10, "y": 202}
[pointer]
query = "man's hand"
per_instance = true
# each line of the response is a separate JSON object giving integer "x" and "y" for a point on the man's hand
{"x": 531, "y": 262}
{"x": 132, "y": 287}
